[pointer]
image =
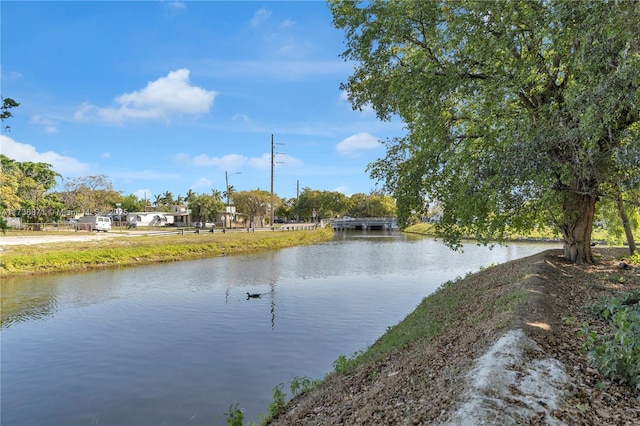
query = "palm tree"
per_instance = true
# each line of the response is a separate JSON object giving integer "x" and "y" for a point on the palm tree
{"x": 191, "y": 196}
{"x": 228, "y": 193}
{"x": 168, "y": 198}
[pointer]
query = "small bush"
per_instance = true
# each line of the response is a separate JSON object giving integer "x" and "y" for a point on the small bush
{"x": 302, "y": 384}
{"x": 276, "y": 406}
{"x": 617, "y": 353}
{"x": 235, "y": 416}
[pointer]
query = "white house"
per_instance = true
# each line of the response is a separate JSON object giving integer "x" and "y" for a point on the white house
{"x": 149, "y": 219}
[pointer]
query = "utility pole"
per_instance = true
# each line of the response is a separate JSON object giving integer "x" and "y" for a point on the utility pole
{"x": 228, "y": 212}
{"x": 273, "y": 163}
{"x": 297, "y": 200}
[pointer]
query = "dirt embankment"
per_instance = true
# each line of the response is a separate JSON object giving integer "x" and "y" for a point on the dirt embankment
{"x": 522, "y": 367}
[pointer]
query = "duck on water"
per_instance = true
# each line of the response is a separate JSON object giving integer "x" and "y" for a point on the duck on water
{"x": 253, "y": 295}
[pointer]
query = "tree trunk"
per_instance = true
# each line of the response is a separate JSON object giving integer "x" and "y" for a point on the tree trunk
{"x": 576, "y": 227}
{"x": 626, "y": 225}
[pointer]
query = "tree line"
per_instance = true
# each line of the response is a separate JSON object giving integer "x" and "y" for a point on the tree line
{"x": 26, "y": 191}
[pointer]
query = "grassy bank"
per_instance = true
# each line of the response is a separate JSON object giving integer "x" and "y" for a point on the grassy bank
{"x": 126, "y": 251}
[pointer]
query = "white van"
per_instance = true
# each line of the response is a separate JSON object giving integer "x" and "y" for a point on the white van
{"x": 94, "y": 223}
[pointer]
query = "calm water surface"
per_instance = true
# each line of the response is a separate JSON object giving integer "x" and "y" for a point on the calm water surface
{"x": 177, "y": 344}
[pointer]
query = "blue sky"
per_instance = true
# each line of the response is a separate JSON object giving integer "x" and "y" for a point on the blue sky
{"x": 168, "y": 96}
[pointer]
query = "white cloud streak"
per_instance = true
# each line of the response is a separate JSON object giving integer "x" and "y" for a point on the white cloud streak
{"x": 262, "y": 15}
{"x": 48, "y": 125}
{"x": 236, "y": 161}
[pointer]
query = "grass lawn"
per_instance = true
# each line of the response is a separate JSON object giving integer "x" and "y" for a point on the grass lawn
{"x": 128, "y": 250}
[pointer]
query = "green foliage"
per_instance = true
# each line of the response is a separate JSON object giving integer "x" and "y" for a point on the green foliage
{"x": 235, "y": 416}
{"x": 302, "y": 384}
{"x": 255, "y": 205}
{"x": 276, "y": 406}
{"x": 89, "y": 194}
{"x": 24, "y": 190}
{"x": 344, "y": 363}
{"x": 206, "y": 208}
{"x": 131, "y": 203}
{"x": 3, "y": 225}
{"x": 517, "y": 113}
{"x": 617, "y": 353}
{"x": 326, "y": 204}
{"x": 371, "y": 205}
{"x": 332, "y": 204}
{"x": 5, "y": 110}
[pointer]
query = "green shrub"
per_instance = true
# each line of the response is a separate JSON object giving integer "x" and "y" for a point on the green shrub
{"x": 302, "y": 384}
{"x": 235, "y": 416}
{"x": 276, "y": 406}
{"x": 617, "y": 353}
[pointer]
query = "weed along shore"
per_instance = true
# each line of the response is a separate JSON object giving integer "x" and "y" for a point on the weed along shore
{"x": 118, "y": 251}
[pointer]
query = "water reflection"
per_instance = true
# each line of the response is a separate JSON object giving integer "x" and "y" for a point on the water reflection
{"x": 25, "y": 301}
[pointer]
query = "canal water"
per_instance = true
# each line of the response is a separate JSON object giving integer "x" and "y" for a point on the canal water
{"x": 177, "y": 344}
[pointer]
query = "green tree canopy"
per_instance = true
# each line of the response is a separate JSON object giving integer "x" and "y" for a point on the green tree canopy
{"x": 131, "y": 203}
{"x": 24, "y": 187}
{"x": 206, "y": 208}
{"x": 371, "y": 205}
{"x": 516, "y": 112}
{"x": 255, "y": 205}
{"x": 327, "y": 204}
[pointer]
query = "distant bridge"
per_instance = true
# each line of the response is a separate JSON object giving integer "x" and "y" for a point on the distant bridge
{"x": 363, "y": 224}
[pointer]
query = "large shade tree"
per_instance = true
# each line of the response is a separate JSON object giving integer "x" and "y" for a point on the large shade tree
{"x": 89, "y": 195}
{"x": 255, "y": 206}
{"x": 516, "y": 112}
{"x": 24, "y": 190}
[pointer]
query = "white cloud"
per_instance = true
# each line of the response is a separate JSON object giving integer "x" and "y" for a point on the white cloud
{"x": 25, "y": 152}
{"x": 227, "y": 162}
{"x": 10, "y": 75}
{"x": 143, "y": 194}
{"x": 287, "y": 23}
{"x": 160, "y": 99}
{"x": 344, "y": 99}
{"x": 176, "y": 5}
{"x": 260, "y": 16}
{"x": 48, "y": 125}
{"x": 106, "y": 155}
{"x": 262, "y": 162}
{"x": 241, "y": 117}
{"x": 288, "y": 160}
{"x": 235, "y": 161}
{"x": 202, "y": 183}
{"x": 358, "y": 142}
{"x": 344, "y": 189}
